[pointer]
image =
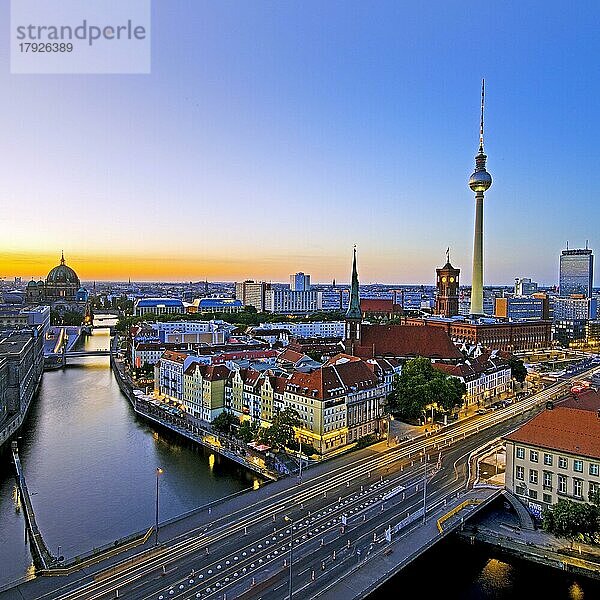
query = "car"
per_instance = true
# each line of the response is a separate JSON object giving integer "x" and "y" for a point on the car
{"x": 482, "y": 411}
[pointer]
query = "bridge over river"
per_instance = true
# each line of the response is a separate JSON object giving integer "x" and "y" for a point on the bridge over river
{"x": 352, "y": 522}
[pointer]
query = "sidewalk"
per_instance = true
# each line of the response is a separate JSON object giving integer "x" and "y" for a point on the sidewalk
{"x": 389, "y": 558}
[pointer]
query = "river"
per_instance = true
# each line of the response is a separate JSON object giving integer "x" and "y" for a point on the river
{"x": 90, "y": 466}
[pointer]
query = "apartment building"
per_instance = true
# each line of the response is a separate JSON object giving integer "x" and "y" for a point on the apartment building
{"x": 485, "y": 377}
{"x": 204, "y": 390}
{"x": 556, "y": 454}
{"x": 338, "y": 404}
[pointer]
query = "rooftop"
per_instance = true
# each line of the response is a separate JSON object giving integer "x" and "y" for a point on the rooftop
{"x": 152, "y": 302}
{"x": 406, "y": 341}
{"x": 565, "y": 429}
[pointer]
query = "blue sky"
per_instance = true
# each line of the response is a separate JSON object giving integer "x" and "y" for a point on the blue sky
{"x": 272, "y": 136}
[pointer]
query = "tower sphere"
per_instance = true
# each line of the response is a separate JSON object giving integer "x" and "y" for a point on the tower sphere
{"x": 480, "y": 181}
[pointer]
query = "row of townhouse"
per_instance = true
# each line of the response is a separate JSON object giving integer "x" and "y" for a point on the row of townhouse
{"x": 485, "y": 377}
{"x": 342, "y": 401}
{"x": 338, "y": 403}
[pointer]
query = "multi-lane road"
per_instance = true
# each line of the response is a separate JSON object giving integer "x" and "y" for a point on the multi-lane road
{"x": 329, "y": 522}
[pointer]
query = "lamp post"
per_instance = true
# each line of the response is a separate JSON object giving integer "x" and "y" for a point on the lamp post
{"x": 159, "y": 472}
{"x": 425, "y": 489}
{"x": 389, "y": 429}
{"x": 291, "y": 522}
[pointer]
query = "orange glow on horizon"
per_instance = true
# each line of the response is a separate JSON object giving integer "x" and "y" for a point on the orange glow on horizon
{"x": 192, "y": 267}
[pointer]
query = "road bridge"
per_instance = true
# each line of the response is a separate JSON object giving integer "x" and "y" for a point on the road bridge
{"x": 336, "y": 526}
{"x": 84, "y": 353}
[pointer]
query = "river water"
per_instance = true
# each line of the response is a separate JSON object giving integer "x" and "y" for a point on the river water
{"x": 90, "y": 466}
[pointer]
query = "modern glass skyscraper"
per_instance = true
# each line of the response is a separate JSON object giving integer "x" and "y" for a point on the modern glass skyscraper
{"x": 576, "y": 272}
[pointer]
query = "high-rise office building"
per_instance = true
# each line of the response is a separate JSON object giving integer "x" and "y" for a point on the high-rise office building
{"x": 576, "y": 272}
{"x": 252, "y": 293}
{"x": 525, "y": 287}
{"x": 299, "y": 282}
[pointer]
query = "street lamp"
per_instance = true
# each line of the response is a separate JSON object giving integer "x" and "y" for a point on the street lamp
{"x": 291, "y": 522}
{"x": 159, "y": 472}
{"x": 389, "y": 429}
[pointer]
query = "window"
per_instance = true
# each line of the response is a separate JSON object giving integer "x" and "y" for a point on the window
{"x": 533, "y": 494}
{"x": 547, "y": 498}
{"x": 578, "y": 466}
{"x": 520, "y": 473}
{"x": 520, "y": 452}
{"x": 594, "y": 469}
{"x": 578, "y": 488}
{"x": 547, "y": 480}
{"x": 533, "y": 476}
{"x": 563, "y": 463}
{"x": 533, "y": 456}
{"x": 594, "y": 487}
{"x": 548, "y": 459}
{"x": 562, "y": 484}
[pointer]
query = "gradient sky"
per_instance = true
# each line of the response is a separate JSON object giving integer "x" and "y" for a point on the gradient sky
{"x": 272, "y": 136}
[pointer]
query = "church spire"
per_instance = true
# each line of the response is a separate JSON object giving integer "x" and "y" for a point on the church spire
{"x": 62, "y": 257}
{"x": 354, "y": 311}
{"x": 353, "y": 314}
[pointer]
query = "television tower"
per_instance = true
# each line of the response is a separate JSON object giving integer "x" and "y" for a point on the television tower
{"x": 479, "y": 182}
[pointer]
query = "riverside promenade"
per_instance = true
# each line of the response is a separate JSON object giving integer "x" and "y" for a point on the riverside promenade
{"x": 145, "y": 408}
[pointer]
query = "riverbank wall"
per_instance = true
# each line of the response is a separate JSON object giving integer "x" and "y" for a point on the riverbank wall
{"x": 501, "y": 531}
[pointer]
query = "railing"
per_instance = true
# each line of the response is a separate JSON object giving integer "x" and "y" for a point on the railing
{"x": 455, "y": 510}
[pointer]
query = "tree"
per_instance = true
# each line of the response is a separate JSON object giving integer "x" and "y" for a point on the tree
{"x": 421, "y": 385}
{"x": 248, "y": 431}
{"x": 572, "y": 520}
{"x": 224, "y": 422}
{"x": 281, "y": 433}
{"x": 517, "y": 369}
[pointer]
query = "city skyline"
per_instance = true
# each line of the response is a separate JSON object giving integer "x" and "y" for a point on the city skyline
{"x": 254, "y": 152}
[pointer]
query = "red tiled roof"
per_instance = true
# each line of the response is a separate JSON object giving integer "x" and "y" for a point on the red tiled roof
{"x": 291, "y": 356}
{"x": 587, "y": 400}
{"x": 278, "y": 383}
{"x": 341, "y": 358}
{"x": 565, "y": 429}
{"x": 405, "y": 341}
{"x": 473, "y": 369}
{"x": 375, "y": 305}
{"x": 209, "y": 372}
{"x": 331, "y": 381}
{"x": 174, "y": 356}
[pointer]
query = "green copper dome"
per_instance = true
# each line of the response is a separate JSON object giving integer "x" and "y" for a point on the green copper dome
{"x": 63, "y": 274}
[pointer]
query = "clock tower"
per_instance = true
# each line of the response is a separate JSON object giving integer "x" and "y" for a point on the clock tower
{"x": 446, "y": 300}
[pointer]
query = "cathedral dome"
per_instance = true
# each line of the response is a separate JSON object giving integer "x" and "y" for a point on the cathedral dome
{"x": 63, "y": 274}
